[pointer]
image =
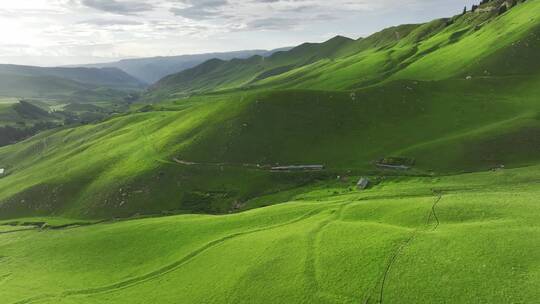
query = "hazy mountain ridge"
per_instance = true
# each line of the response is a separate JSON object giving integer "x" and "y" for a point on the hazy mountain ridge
{"x": 105, "y": 77}
{"x": 70, "y": 84}
{"x": 152, "y": 69}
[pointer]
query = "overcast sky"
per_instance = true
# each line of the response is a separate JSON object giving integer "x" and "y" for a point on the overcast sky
{"x": 58, "y": 32}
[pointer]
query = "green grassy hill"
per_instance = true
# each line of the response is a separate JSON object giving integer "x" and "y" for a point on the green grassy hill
{"x": 481, "y": 43}
{"x": 452, "y": 125}
{"x": 463, "y": 239}
{"x": 175, "y": 201}
{"x": 116, "y": 167}
{"x": 221, "y": 74}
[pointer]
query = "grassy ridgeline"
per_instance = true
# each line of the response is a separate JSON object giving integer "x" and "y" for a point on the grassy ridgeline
{"x": 475, "y": 44}
{"x": 465, "y": 239}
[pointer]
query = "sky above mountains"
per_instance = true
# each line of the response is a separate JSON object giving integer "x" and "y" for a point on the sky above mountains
{"x": 61, "y": 32}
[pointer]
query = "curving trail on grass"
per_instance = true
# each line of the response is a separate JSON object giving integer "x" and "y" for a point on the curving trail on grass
{"x": 166, "y": 269}
{"x": 434, "y": 207}
{"x": 17, "y": 230}
{"x": 310, "y": 268}
{"x": 408, "y": 241}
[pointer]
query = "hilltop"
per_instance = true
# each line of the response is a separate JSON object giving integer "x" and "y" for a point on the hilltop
{"x": 478, "y": 43}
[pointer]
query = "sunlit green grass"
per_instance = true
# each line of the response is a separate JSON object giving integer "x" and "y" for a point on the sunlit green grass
{"x": 477, "y": 244}
{"x": 119, "y": 211}
{"x": 117, "y": 166}
{"x": 475, "y": 44}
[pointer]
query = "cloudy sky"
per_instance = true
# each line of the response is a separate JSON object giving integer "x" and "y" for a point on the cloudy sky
{"x": 58, "y": 32}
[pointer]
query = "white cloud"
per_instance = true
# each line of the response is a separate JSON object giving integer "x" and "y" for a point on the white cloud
{"x": 103, "y": 29}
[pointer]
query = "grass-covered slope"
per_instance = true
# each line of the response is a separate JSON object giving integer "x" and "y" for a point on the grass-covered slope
{"x": 18, "y": 111}
{"x": 497, "y": 46}
{"x": 350, "y": 130}
{"x": 432, "y": 234}
{"x": 116, "y": 168}
{"x": 219, "y": 74}
{"x": 211, "y": 153}
{"x": 465, "y": 239}
{"x": 485, "y": 42}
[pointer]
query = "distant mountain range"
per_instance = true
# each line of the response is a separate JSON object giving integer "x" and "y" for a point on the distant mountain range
{"x": 150, "y": 70}
{"x": 63, "y": 83}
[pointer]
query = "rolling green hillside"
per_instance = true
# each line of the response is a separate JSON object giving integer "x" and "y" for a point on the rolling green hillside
{"x": 211, "y": 153}
{"x": 178, "y": 199}
{"x": 464, "y": 239}
{"x": 222, "y": 74}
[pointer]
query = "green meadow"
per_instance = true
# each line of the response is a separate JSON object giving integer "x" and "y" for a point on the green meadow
{"x": 173, "y": 199}
{"x": 471, "y": 238}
